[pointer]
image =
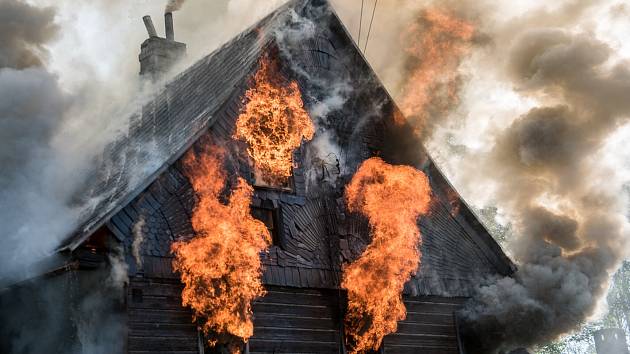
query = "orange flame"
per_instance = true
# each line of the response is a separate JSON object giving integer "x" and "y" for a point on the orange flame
{"x": 392, "y": 198}
{"x": 437, "y": 43}
{"x": 273, "y": 122}
{"x": 220, "y": 267}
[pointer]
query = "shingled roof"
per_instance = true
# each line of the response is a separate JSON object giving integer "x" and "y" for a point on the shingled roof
{"x": 207, "y": 97}
{"x": 166, "y": 128}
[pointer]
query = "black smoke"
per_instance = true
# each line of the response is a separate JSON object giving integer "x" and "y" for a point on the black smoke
{"x": 571, "y": 229}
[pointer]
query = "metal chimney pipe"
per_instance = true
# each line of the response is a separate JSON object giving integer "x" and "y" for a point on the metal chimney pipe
{"x": 149, "y": 25}
{"x": 168, "y": 24}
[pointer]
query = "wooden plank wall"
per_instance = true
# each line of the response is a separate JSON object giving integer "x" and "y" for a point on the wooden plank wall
{"x": 286, "y": 320}
{"x": 292, "y": 320}
{"x": 156, "y": 319}
{"x": 429, "y": 327}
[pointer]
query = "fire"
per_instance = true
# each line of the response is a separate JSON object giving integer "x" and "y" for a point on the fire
{"x": 221, "y": 267}
{"x": 273, "y": 122}
{"x": 437, "y": 43}
{"x": 392, "y": 198}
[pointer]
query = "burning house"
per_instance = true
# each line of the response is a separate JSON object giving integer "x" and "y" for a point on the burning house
{"x": 286, "y": 208}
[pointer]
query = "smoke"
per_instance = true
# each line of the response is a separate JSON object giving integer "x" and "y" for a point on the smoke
{"x": 572, "y": 232}
{"x": 436, "y": 44}
{"x": 32, "y": 105}
{"x": 99, "y": 323}
{"x": 74, "y": 312}
{"x": 24, "y": 31}
{"x": 138, "y": 239}
{"x": 52, "y": 129}
{"x": 173, "y": 5}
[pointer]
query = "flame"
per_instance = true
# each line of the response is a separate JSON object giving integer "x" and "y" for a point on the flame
{"x": 437, "y": 43}
{"x": 392, "y": 198}
{"x": 220, "y": 267}
{"x": 273, "y": 122}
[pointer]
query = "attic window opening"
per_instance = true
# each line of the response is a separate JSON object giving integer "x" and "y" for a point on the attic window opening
{"x": 273, "y": 123}
{"x": 271, "y": 219}
{"x": 259, "y": 180}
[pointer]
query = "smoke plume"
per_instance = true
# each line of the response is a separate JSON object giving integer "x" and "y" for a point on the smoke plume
{"x": 572, "y": 233}
{"x": 25, "y": 29}
{"x": 32, "y": 105}
{"x": 138, "y": 240}
{"x": 326, "y": 162}
{"x": 174, "y": 5}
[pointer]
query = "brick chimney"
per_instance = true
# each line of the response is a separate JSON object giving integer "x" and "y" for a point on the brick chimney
{"x": 611, "y": 341}
{"x": 157, "y": 54}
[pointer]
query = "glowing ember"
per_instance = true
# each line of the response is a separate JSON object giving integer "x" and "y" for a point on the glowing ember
{"x": 436, "y": 44}
{"x": 220, "y": 267}
{"x": 392, "y": 198}
{"x": 273, "y": 123}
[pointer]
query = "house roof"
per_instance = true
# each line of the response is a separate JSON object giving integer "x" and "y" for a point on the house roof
{"x": 165, "y": 128}
{"x": 139, "y": 172}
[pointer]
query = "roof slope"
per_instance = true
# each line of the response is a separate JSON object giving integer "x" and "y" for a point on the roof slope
{"x": 456, "y": 248}
{"x": 165, "y": 128}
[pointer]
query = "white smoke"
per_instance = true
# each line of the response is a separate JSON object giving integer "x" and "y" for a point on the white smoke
{"x": 138, "y": 239}
{"x": 174, "y": 5}
{"x": 99, "y": 325}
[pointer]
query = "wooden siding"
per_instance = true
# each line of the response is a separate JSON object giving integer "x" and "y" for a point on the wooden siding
{"x": 290, "y": 320}
{"x": 286, "y": 320}
{"x": 429, "y": 327}
{"x": 157, "y": 322}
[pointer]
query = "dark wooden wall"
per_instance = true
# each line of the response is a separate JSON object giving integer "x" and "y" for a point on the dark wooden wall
{"x": 290, "y": 320}
{"x": 157, "y": 322}
{"x": 429, "y": 328}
